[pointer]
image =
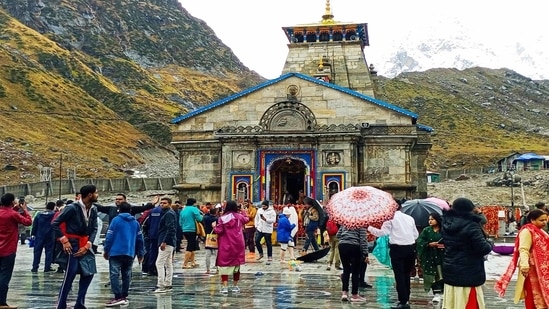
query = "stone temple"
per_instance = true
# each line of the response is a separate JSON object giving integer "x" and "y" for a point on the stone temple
{"x": 315, "y": 130}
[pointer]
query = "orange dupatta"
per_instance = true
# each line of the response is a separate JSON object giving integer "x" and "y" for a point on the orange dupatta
{"x": 540, "y": 255}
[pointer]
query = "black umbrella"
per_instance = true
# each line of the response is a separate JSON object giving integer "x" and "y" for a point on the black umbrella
{"x": 420, "y": 209}
{"x": 313, "y": 256}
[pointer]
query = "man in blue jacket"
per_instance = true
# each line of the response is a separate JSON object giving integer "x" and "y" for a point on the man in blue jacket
{"x": 44, "y": 239}
{"x": 123, "y": 241}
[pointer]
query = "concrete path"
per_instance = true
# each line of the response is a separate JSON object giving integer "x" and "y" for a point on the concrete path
{"x": 262, "y": 286}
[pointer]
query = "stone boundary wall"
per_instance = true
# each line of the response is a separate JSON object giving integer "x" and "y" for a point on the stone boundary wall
{"x": 69, "y": 186}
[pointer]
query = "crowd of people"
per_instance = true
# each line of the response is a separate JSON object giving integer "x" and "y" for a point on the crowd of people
{"x": 451, "y": 250}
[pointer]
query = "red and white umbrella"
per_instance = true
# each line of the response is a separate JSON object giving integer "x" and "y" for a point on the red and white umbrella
{"x": 361, "y": 206}
{"x": 439, "y": 202}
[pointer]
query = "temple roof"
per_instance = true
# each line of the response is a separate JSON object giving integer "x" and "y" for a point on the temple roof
{"x": 258, "y": 87}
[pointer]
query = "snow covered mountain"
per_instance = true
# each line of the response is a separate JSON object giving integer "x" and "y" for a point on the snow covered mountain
{"x": 434, "y": 46}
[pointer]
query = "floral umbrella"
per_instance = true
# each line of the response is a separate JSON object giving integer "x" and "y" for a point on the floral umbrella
{"x": 440, "y": 202}
{"x": 361, "y": 206}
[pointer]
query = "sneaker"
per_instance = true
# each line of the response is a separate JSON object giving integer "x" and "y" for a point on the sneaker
{"x": 259, "y": 257}
{"x": 116, "y": 302}
{"x": 160, "y": 290}
{"x": 357, "y": 299}
{"x": 269, "y": 261}
{"x": 34, "y": 270}
{"x": 344, "y": 297}
{"x": 436, "y": 299}
{"x": 329, "y": 267}
{"x": 235, "y": 289}
{"x": 224, "y": 290}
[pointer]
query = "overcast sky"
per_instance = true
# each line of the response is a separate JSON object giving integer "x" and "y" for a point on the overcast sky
{"x": 252, "y": 28}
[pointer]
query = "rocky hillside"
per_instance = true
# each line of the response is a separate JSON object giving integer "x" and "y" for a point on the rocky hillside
{"x": 99, "y": 81}
{"x": 479, "y": 115}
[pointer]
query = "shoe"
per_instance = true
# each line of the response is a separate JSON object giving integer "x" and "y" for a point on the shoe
{"x": 34, "y": 270}
{"x": 224, "y": 290}
{"x": 49, "y": 270}
{"x": 365, "y": 285}
{"x": 339, "y": 268}
{"x": 357, "y": 299}
{"x": 329, "y": 267}
{"x": 436, "y": 299}
{"x": 259, "y": 257}
{"x": 8, "y": 307}
{"x": 60, "y": 271}
{"x": 344, "y": 297}
{"x": 160, "y": 290}
{"x": 195, "y": 265}
{"x": 235, "y": 289}
{"x": 400, "y": 306}
{"x": 187, "y": 267}
{"x": 269, "y": 261}
{"x": 207, "y": 272}
{"x": 116, "y": 302}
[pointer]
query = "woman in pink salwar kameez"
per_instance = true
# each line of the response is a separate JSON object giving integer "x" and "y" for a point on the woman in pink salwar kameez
{"x": 231, "y": 246}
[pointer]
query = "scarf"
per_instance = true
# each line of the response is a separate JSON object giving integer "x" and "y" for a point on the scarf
{"x": 539, "y": 252}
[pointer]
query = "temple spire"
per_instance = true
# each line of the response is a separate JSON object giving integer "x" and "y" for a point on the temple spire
{"x": 328, "y": 17}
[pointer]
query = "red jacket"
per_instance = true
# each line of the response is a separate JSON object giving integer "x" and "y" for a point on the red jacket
{"x": 9, "y": 221}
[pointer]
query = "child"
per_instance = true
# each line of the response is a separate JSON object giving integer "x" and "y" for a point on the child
{"x": 209, "y": 218}
{"x": 284, "y": 236}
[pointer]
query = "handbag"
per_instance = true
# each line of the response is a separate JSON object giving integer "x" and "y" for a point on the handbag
{"x": 211, "y": 241}
{"x": 200, "y": 232}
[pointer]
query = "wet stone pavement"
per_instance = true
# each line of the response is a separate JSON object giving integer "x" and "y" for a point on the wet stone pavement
{"x": 262, "y": 286}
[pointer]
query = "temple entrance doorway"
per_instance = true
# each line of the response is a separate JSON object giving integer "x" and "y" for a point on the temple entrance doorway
{"x": 287, "y": 175}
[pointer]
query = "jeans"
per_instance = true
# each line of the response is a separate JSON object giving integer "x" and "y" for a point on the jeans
{"x": 268, "y": 243}
{"x": 209, "y": 253}
{"x": 6, "y": 269}
{"x": 249, "y": 233}
{"x": 43, "y": 244}
{"x": 73, "y": 267}
{"x": 311, "y": 240}
{"x": 120, "y": 264}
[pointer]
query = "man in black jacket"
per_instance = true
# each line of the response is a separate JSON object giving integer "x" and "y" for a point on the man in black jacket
{"x": 75, "y": 227}
{"x": 166, "y": 244}
{"x": 112, "y": 211}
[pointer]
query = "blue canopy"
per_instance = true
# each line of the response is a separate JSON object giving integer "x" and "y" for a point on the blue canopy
{"x": 529, "y": 156}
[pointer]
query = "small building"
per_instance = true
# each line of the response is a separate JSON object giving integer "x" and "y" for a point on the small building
{"x": 529, "y": 161}
{"x": 432, "y": 176}
{"x": 505, "y": 164}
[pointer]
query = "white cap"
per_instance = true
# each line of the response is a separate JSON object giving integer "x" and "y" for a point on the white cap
{"x": 218, "y": 205}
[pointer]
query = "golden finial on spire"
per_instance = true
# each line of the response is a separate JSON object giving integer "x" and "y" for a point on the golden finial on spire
{"x": 320, "y": 63}
{"x": 328, "y": 17}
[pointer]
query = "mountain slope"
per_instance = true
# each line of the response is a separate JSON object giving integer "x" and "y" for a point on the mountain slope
{"x": 479, "y": 115}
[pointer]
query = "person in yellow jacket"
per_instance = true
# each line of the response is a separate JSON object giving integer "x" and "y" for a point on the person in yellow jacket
{"x": 249, "y": 228}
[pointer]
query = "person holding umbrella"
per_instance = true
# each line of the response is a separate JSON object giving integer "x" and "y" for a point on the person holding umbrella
{"x": 353, "y": 250}
{"x": 311, "y": 220}
{"x": 402, "y": 233}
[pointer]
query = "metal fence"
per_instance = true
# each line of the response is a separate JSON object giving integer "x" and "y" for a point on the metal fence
{"x": 70, "y": 186}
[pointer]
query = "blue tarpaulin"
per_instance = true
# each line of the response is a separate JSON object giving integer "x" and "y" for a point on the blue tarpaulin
{"x": 529, "y": 156}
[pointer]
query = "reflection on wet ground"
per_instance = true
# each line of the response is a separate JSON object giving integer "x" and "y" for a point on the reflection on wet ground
{"x": 262, "y": 286}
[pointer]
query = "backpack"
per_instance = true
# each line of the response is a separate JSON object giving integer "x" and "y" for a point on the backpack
{"x": 331, "y": 227}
